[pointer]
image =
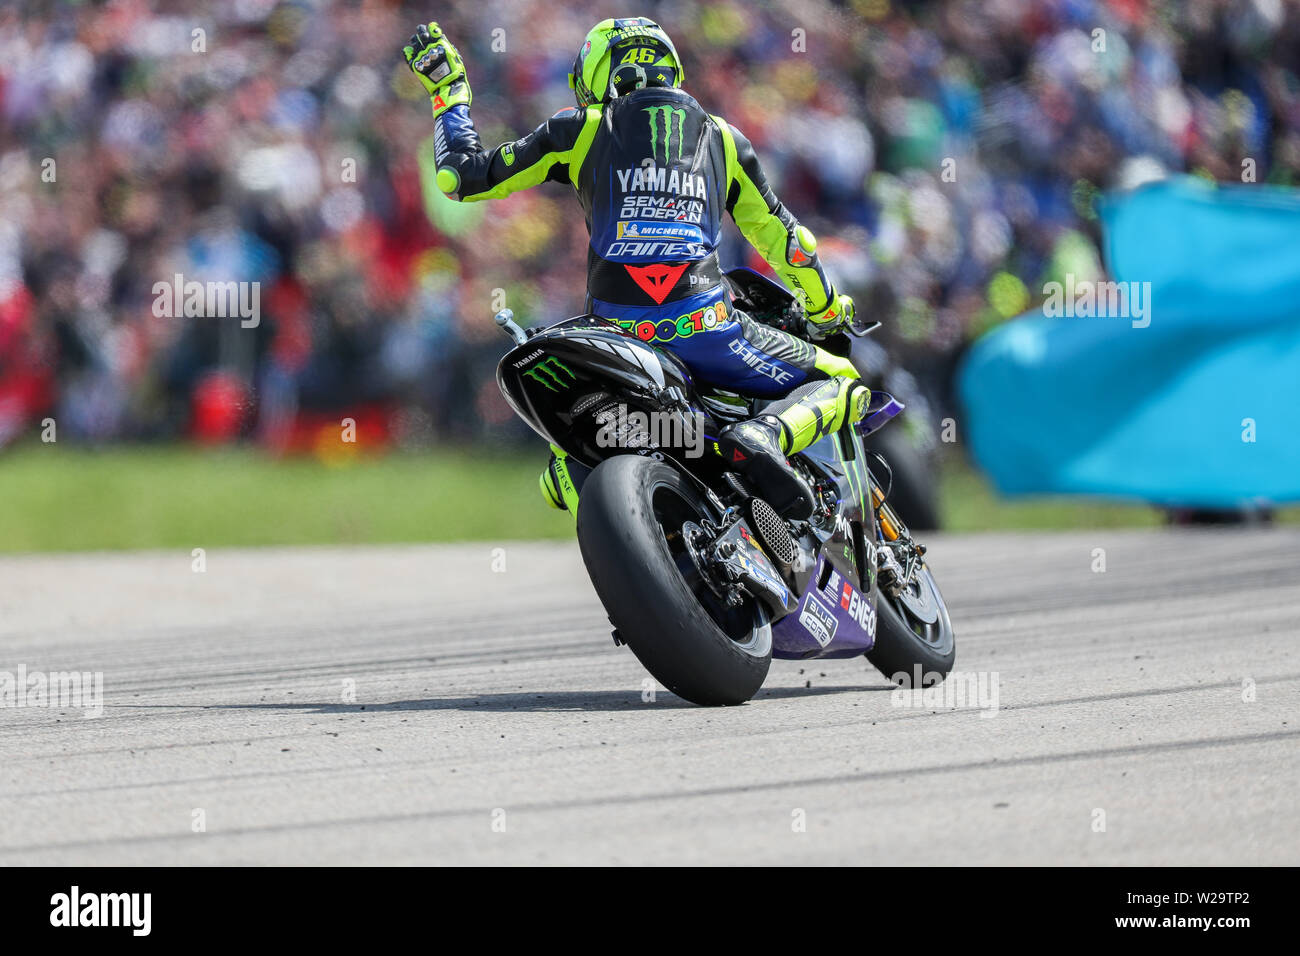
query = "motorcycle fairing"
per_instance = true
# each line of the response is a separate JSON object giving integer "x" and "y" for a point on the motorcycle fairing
{"x": 836, "y": 616}
{"x": 880, "y": 409}
{"x": 562, "y": 379}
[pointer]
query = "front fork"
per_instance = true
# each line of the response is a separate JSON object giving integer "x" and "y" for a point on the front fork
{"x": 898, "y": 557}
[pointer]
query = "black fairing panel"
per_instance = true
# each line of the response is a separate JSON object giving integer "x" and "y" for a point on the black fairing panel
{"x": 562, "y": 378}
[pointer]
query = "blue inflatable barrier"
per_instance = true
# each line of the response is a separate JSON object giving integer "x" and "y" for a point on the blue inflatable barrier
{"x": 1190, "y": 396}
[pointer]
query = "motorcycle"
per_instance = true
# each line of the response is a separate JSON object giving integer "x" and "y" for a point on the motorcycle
{"x": 699, "y": 576}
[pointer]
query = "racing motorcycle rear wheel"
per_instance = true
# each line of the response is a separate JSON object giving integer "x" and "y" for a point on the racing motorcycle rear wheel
{"x": 630, "y": 530}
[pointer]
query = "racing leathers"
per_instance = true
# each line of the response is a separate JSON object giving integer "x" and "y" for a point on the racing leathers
{"x": 654, "y": 173}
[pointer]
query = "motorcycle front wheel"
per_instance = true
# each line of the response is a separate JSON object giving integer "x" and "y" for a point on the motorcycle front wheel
{"x": 914, "y": 644}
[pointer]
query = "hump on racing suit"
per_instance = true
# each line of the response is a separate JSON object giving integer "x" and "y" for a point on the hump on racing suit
{"x": 654, "y": 173}
{"x": 654, "y": 187}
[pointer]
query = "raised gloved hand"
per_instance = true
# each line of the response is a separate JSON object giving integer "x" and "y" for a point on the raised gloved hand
{"x": 836, "y": 317}
{"x": 437, "y": 63}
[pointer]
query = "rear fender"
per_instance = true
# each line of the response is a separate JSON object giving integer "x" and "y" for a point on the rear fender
{"x": 715, "y": 503}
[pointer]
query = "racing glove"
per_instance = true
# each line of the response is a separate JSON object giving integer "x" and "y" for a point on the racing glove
{"x": 437, "y": 64}
{"x": 837, "y": 316}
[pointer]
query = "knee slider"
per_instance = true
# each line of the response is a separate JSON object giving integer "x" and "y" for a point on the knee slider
{"x": 856, "y": 397}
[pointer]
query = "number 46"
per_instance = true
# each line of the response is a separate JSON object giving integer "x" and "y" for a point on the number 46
{"x": 639, "y": 55}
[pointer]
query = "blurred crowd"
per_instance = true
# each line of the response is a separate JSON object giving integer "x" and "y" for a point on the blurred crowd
{"x": 949, "y": 156}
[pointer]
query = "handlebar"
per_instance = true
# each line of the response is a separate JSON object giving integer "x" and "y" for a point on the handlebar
{"x": 862, "y": 333}
{"x": 506, "y": 320}
{"x": 794, "y": 321}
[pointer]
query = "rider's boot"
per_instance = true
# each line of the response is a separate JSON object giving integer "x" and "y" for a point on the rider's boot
{"x": 759, "y": 448}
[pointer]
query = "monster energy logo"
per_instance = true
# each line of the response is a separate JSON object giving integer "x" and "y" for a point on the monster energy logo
{"x": 548, "y": 370}
{"x": 668, "y": 113}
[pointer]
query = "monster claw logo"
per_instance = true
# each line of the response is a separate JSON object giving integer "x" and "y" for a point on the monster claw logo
{"x": 667, "y": 112}
{"x": 550, "y": 371}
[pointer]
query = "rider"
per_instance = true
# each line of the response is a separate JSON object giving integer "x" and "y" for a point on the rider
{"x": 654, "y": 173}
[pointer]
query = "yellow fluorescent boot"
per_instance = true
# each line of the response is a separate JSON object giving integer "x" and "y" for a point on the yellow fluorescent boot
{"x": 758, "y": 448}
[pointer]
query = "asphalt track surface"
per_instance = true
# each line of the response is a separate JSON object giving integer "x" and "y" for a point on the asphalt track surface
{"x": 1147, "y": 714}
